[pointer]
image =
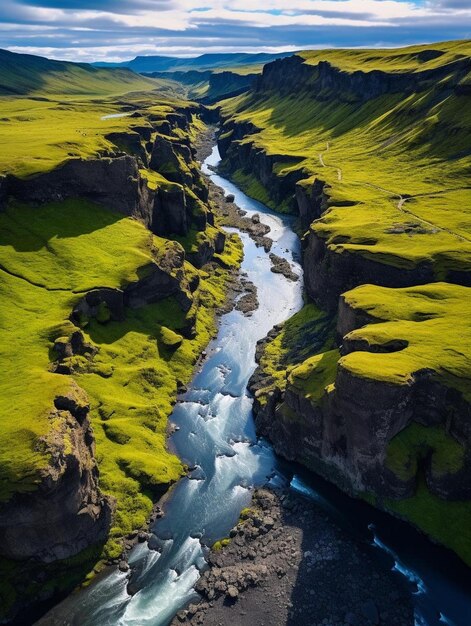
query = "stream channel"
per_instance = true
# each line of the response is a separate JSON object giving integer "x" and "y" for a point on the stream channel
{"x": 216, "y": 435}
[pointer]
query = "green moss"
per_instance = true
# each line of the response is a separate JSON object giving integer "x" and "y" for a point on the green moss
{"x": 103, "y": 314}
{"x": 305, "y": 334}
{"x": 219, "y": 545}
{"x": 446, "y": 521}
{"x": 46, "y": 258}
{"x": 169, "y": 338}
{"x": 41, "y": 134}
{"x": 409, "y": 59}
{"x": 315, "y": 375}
{"x": 433, "y": 322}
{"x": 245, "y": 513}
{"x": 156, "y": 180}
{"x": 253, "y": 187}
{"x": 416, "y": 442}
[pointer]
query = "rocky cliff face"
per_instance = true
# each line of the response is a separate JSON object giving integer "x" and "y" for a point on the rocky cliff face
{"x": 346, "y": 434}
{"x": 67, "y": 513}
{"x": 327, "y": 273}
{"x": 367, "y": 434}
{"x": 286, "y": 76}
{"x": 152, "y": 176}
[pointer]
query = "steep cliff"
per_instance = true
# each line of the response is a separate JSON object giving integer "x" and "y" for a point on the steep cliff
{"x": 103, "y": 313}
{"x": 358, "y": 145}
{"x": 67, "y": 513}
{"x": 370, "y": 151}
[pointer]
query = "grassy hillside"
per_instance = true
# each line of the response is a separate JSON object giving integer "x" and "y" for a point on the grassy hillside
{"x": 47, "y": 261}
{"x": 41, "y": 134}
{"x": 24, "y": 74}
{"x": 401, "y": 161}
{"x": 409, "y": 59}
{"x": 390, "y": 143}
{"x": 51, "y": 111}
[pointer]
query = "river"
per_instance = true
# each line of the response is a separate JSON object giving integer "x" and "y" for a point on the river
{"x": 215, "y": 434}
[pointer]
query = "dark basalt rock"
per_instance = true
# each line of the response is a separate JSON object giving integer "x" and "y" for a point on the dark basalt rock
{"x": 170, "y": 212}
{"x": 165, "y": 158}
{"x": 113, "y": 182}
{"x": 345, "y": 437}
{"x": 327, "y": 274}
{"x": 158, "y": 285}
{"x": 66, "y": 513}
{"x": 97, "y": 300}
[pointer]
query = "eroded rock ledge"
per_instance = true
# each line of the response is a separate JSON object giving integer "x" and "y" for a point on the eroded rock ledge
{"x": 67, "y": 512}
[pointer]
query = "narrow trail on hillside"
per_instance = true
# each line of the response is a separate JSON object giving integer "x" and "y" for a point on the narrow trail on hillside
{"x": 403, "y": 199}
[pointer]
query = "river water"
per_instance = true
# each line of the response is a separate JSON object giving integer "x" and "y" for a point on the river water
{"x": 216, "y": 436}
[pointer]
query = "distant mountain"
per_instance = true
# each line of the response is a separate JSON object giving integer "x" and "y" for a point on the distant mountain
{"x": 23, "y": 74}
{"x": 204, "y": 62}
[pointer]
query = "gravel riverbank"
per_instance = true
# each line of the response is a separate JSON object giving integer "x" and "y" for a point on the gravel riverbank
{"x": 287, "y": 564}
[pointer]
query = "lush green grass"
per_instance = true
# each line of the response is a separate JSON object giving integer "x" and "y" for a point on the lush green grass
{"x": 306, "y": 333}
{"x": 315, "y": 376}
{"x": 370, "y": 154}
{"x": 51, "y": 111}
{"x": 434, "y": 321}
{"x": 41, "y": 134}
{"x": 447, "y": 522}
{"x": 416, "y": 442}
{"x": 410, "y": 59}
{"x": 46, "y": 260}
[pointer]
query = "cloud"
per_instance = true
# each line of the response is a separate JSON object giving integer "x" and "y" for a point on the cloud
{"x": 120, "y": 29}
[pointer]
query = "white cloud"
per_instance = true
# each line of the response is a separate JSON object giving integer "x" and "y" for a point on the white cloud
{"x": 121, "y": 28}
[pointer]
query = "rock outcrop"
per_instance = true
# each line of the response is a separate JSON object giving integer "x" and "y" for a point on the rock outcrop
{"x": 172, "y": 206}
{"x": 346, "y": 436}
{"x": 67, "y": 513}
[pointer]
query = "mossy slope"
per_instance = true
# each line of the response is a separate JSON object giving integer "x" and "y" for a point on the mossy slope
{"x": 394, "y": 164}
{"x": 376, "y": 145}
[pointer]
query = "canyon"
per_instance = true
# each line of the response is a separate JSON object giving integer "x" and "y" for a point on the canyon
{"x": 118, "y": 256}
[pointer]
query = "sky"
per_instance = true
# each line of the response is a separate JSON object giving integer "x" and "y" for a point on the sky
{"x": 115, "y": 30}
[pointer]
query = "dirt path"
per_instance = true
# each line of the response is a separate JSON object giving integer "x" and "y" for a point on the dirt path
{"x": 402, "y": 200}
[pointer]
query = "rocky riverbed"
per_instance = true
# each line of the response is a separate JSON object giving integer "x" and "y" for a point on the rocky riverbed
{"x": 286, "y": 563}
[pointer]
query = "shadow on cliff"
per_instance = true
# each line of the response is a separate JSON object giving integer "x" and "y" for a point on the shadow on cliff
{"x": 364, "y": 580}
{"x": 145, "y": 321}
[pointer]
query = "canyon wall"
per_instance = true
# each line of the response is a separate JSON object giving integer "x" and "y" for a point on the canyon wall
{"x": 368, "y": 434}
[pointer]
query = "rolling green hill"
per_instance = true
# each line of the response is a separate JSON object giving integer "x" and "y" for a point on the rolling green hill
{"x": 24, "y": 74}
